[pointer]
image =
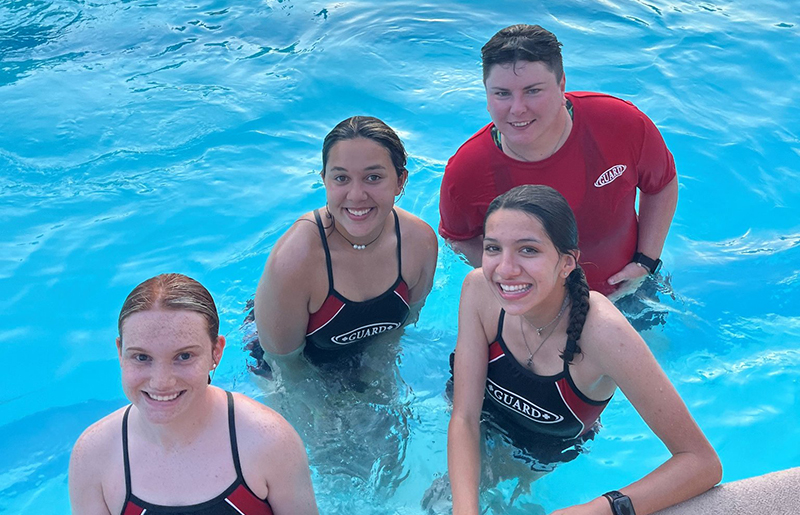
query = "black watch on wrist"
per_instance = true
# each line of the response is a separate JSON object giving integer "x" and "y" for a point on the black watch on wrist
{"x": 620, "y": 503}
{"x": 652, "y": 265}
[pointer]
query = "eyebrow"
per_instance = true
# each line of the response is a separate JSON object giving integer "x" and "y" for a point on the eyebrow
{"x": 368, "y": 168}
{"x": 182, "y": 349}
{"x": 529, "y": 86}
{"x": 521, "y": 240}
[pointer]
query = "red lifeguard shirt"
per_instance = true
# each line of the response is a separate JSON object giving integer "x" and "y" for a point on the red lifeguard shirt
{"x": 612, "y": 150}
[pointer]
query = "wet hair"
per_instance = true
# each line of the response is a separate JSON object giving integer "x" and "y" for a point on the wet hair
{"x": 173, "y": 292}
{"x": 558, "y": 220}
{"x": 523, "y": 43}
{"x": 370, "y": 128}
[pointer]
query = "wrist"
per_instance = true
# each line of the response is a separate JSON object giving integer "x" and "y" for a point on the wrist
{"x": 619, "y": 503}
{"x": 649, "y": 263}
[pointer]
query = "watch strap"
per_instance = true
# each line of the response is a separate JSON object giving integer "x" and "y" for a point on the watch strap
{"x": 613, "y": 496}
{"x": 652, "y": 265}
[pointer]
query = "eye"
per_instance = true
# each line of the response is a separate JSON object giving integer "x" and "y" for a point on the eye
{"x": 491, "y": 248}
{"x": 373, "y": 177}
{"x": 184, "y": 356}
{"x": 141, "y": 358}
{"x": 501, "y": 94}
{"x": 340, "y": 179}
{"x": 533, "y": 91}
{"x": 528, "y": 251}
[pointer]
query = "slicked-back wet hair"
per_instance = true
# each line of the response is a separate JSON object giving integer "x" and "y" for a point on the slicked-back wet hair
{"x": 173, "y": 292}
{"x": 370, "y": 128}
{"x": 523, "y": 43}
{"x": 552, "y": 210}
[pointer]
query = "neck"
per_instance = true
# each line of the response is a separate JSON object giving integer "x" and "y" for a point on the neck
{"x": 548, "y": 311}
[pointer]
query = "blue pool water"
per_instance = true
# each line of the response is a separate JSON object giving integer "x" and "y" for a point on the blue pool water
{"x": 140, "y": 137}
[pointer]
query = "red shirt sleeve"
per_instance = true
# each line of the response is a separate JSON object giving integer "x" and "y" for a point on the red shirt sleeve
{"x": 656, "y": 166}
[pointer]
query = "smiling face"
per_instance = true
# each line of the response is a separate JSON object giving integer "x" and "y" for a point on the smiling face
{"x": 166, "y": 356}
{"x": 521, "y": 263}
{"x": 361, "y": 184}
{"x": 526, "y": 104}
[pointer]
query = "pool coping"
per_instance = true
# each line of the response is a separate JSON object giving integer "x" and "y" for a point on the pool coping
{"x": 777, "y": 493}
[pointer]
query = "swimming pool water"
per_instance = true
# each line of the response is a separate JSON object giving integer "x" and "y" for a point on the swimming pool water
{"x": 140, "y": 137}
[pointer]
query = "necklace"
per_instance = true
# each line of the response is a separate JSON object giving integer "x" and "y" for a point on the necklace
{"x": 360, "y": 246}
{"x": 539, "y": 330}
{"x": 506, "y": 145}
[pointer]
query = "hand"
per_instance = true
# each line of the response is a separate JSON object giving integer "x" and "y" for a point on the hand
{"x": 629, "y": 272}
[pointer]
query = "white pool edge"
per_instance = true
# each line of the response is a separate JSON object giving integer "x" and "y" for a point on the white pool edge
{"x": 777, "y": 493}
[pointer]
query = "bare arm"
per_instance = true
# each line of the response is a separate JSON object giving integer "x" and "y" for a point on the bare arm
{"x": 469, "y": 371}
{"x": 283, "y": 295}
{"x": 290, "y": 490}
{"x": 655, "y": 217}
{"x": 426, "y": 250}
{"x": 85, "y": 486}
{"x": 693, "y": 467}
{"x": 471, "y": 249}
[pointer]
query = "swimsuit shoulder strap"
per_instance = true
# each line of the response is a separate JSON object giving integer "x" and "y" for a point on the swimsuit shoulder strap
{"x": 232, "y": 432}
{"x": 399, "y": 249}
{"x": 125, "y": 460}
{"x": 325, "y": 247}
{"x": 500, "y": 321}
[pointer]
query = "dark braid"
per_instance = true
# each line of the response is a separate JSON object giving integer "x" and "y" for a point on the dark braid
{"x": 578, "y": 291}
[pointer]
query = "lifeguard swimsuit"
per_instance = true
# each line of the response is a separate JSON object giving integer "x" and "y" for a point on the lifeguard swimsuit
{"x": 340, "y": 323}
{"x": 237, "y": 499}
{"x": 550, "y": 406}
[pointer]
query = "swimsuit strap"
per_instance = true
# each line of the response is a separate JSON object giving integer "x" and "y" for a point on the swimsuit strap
{"x": 125, "y": 461}
{"x": 327, "y": 250}
{"x": 232, "y": 432}
{"x": 500, "y": 325}
{"x": 399, "y": 253}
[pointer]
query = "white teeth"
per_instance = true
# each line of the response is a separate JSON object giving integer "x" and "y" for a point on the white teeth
{"x": 163, "y": 398}
{"x": 513, "y": 288}
{"x": 358, "y": 212}
{"x": 519, "y": 124}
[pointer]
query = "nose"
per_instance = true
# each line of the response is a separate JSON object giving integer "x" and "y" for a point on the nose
{"x": 518, "y": 104}
{"x": 162, "y": 377}
{"x": 356, "y": 191}
{"x": 507, "y": 267}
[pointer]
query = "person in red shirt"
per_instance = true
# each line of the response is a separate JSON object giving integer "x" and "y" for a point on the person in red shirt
{"x": 595, "y": 149}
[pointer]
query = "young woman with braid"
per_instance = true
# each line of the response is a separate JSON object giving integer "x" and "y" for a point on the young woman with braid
{"x": 543, "y": 356}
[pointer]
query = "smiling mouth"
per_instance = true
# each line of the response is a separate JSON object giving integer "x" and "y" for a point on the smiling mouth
{"x": 520, "y": 124}
{"x": 514, "y": 288}
{"x": 164, "y": 398}
{"x": 358, "y": 212}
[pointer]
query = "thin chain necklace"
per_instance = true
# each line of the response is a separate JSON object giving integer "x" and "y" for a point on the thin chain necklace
{"x": 506, "y": 145}
{"x": 539, "y": 330}
{"x": 360, "y": 246}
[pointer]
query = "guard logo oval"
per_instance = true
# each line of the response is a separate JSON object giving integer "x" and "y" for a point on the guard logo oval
{"x": 521, "y": 405}
{"x": 609, "y": 175}
{"x": 365, "y": 331}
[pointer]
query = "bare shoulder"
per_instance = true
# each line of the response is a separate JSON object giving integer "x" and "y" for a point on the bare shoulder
{"x": 299, "y": 246}
{"x": 416, "y": 230}
{"x": 97, "y": 449}
{"x": 262, "y": 428}
{"x": 606, "y": 329}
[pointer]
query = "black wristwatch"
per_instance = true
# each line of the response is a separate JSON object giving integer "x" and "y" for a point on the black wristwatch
{"x": 652, "y": 265}
{"x": 620, "y": 503}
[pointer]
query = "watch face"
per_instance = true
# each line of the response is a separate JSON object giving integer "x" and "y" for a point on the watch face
{"x": 623, "y": 506}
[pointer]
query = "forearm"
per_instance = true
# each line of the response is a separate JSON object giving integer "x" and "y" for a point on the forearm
{"x": 682, "y": 477}
{"x": 463, "y": 465}
{"x": 471, "y": 249}
{"x": 655, "y": 217}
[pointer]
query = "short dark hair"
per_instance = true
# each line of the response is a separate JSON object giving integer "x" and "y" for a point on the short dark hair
{"x": 174, "y": 292}
{"x": 371, "y": 128}
{"x": 523, "y": 43}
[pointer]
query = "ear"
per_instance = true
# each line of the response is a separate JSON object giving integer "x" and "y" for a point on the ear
{"x": 401, "y": 181}
{"x": 219, "y": 346}
{"x": 570, "y": 262}
{"x": 119, "y": 346}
